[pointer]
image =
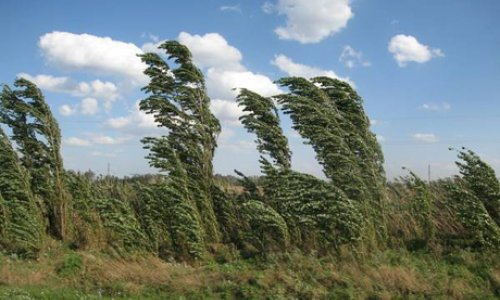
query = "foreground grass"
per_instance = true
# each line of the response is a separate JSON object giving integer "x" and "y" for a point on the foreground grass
{"x": 64, "y": 274}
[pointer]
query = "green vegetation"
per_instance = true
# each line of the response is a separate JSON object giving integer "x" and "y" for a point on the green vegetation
{"x": 188, "y": 233}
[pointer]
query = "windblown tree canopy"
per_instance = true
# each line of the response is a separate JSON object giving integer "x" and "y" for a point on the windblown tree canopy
{"x": 481, "y": 179}
{"x": 21, "y": 223}
{"x": 318, "y": 214}
{"x": 37, "y": 136}
{"x": 178, "y": 101}
{"x": 262, "y": 119}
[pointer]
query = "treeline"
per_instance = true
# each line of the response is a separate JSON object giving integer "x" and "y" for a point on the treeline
{"x": 188, "y": 213}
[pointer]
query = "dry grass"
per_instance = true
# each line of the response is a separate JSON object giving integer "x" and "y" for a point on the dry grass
{"x": 15, "y": 273}
{"x": 150, "y": 270}
{"x": 400, "y": 278}
{"x": 295, "y": 276}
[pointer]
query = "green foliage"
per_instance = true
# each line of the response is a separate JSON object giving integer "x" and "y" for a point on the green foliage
{"x": 329, "y": 115}
{"x": 178, "y": 101}
{"x": 267, "y": 229}
{"x": 481, "y": 179}
{"x": 21, "y": 225}
{"x": 317, "y": 119}
{"x": 421, "y": 207}
{"x": 38, "y": 138}
{"x": 263, "y": 120}
{"x": 71, "y": 264}
{"x": 482, "y": 230}
{"x": 319, "y": 215}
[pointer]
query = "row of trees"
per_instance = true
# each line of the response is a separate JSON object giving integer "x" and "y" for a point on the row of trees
{"x": 186, "y": 211}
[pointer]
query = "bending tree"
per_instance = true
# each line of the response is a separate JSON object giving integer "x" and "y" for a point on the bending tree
{"x": 318, "y": 215}
{"x": 178, "y": 101}
{"x": 329, "y": 114}
{"x": 21, "y": 224}
{"x": 481, "y": 179}
{"x": 38, "y": 138}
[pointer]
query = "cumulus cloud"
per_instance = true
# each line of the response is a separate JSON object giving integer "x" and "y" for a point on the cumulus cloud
{"x": 292, "y": 68}
{"x": 222, "y": 83}
{"x": 67, "y": 110}
{"x": 108, "y": 140}
{"x": 228, "y": 112}
{"x": 136, "y": 122}
{"x": 436, "y": 106}
{"x": 406, "y": 48}
{"x": 425, "y": 137}
{"x": 89, "y": 106}
{"x": 212, "y": 50}
{"x": 352, "y": 58}
{"x": 100, "y": 55}
{"x": 98, "y": 89}
{"x": 96, "y": 139}
{"x": 310, "y": 21}
{"x": 77, "y": 142}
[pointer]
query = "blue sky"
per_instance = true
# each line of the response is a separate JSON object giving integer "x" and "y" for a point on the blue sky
{"x": 429, "y": 71}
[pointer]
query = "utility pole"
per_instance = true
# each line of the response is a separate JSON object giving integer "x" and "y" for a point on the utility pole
{"x": 109, "y": 169}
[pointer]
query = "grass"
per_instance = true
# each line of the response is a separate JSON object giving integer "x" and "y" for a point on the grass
{"x": 64, "y": 274}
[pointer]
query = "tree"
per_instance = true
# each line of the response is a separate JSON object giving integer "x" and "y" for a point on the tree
{"x": 318, "y": 214}
{"x": 178, "y": 101}
{"x": 38, "y": 138}
{"x": 481, "y": 179}
{"x": 21, "y": 224}
{"x": 329, "y": 115}
{"x": 262, "y": 119}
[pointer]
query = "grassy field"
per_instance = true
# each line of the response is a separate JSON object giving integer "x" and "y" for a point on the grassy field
{"x": 63, "y": 274}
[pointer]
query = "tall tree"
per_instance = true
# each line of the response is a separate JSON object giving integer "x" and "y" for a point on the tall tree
{"x": 21, "y": 223}
{"x": 318, "y": 214}
{"x": 38, "y": 138}
{"x": 178, "y": 100}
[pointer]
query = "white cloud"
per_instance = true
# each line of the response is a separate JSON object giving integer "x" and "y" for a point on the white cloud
{"x": 212, "y": 50}
{"x": 436, "y": 106}
{"x": 352, "y": 58}
{"x": 231, "y": 8}
{"x": 406, "y": 48}
{"x": 67, "y": 110}
{"x": 380, "y": 138}
{"x": 221, "y": 83}
{"x": 98, "y": 139}
{"x": 108, "y": 140}
{"x": 227, "y": 112}
{"x": 425, "y": 137}
{"x": 100, "y": 55}
{"x": 98, "y": 89}
{"x": 136, "y": 122}
{"x": 78, "y": 142}
{"x": 89, "y": 106}
{"x": 119, "y": 122}
{"x": 292, "y": 68}
{"x": 310, "y": 21}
